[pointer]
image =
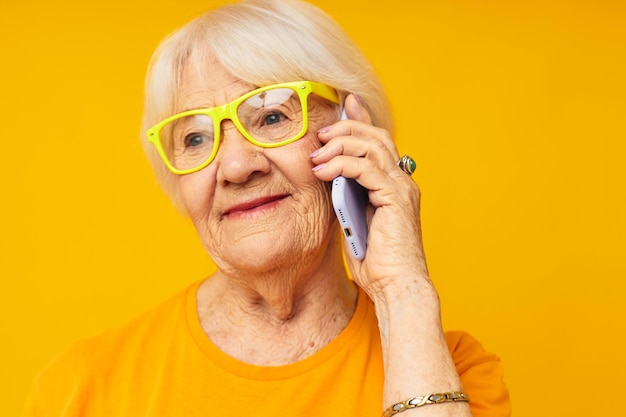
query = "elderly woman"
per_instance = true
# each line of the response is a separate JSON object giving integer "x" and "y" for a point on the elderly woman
{"x": 243, "y": 128}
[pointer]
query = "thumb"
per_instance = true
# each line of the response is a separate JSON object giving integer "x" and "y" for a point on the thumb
{"x": 355, "y": 109}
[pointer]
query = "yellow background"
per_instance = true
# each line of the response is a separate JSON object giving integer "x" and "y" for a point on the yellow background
{"x": 514, "y": 111}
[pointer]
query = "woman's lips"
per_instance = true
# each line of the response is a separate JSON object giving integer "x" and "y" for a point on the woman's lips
{"x": 255, "y": 206}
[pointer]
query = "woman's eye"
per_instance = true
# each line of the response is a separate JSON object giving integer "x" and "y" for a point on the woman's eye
{"x": 273, "y": 118}
{"x": 194, "y": 139}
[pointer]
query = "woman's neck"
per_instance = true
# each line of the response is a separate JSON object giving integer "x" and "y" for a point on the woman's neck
{"x": 281, "y": 316}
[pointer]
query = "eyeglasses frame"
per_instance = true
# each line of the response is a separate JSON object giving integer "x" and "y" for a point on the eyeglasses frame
{"x": 229, "y": 111}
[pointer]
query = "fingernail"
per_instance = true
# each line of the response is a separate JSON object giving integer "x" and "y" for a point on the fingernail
{"x": 324, "y": 129}
{"x": 358, "y": 99}
{"x": 318, "y": 167}
{"x": 317, "y": 152}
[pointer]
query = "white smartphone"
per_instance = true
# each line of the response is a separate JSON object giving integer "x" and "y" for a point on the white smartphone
{"x": 350, "y": 200}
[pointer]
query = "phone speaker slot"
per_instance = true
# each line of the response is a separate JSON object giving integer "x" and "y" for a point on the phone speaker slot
{"x": 341, "y": 217}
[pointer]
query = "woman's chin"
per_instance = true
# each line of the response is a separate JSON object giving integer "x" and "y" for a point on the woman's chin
{"x": 256, "y": 250}
{"x": 271, "y": 250}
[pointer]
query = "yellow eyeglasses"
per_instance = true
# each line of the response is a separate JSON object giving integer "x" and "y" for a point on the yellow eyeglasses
{"x": 268, "y": 117}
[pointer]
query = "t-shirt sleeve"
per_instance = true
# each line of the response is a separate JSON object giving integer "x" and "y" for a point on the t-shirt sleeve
{"x": 481, "y": 374}
{"x": 56, "y": 390}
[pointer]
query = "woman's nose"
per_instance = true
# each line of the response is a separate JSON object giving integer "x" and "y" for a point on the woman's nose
{"x": 238, "y": 159}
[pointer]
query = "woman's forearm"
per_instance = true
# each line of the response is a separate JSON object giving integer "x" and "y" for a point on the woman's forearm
{"x": 416, "y": 356}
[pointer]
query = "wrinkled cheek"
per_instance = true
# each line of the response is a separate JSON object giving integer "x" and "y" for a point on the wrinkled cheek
{"x": 314, "y": 221}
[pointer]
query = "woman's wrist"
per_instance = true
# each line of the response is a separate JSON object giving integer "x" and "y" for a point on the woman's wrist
{"x": 406, "y": 315}
{"x": 410, "y": 292}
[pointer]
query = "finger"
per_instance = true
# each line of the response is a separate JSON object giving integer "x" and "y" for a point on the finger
{"x": 358, "y": 125}
{"x": 364, "y": 171}
{"x": 358, "y": 139}
{"x": 355, "y": 110}
{"x": 361, "y": 147}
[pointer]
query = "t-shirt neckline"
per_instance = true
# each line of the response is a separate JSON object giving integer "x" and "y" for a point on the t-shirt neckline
{"x": 250, "y": 371}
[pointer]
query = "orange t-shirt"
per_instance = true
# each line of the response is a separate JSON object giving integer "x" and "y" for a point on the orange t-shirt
{"x": 163, "y": 364}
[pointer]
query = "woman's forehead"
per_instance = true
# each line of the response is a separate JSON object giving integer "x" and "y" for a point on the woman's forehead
{"x": 205, "y": 84}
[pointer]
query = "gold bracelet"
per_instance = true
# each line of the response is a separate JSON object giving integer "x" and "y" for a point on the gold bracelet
{"x": 428, "y": 399}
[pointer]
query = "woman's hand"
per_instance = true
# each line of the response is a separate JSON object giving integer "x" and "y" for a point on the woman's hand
{"x": 356, "y": 149}
{"x": 393, "y": 273}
